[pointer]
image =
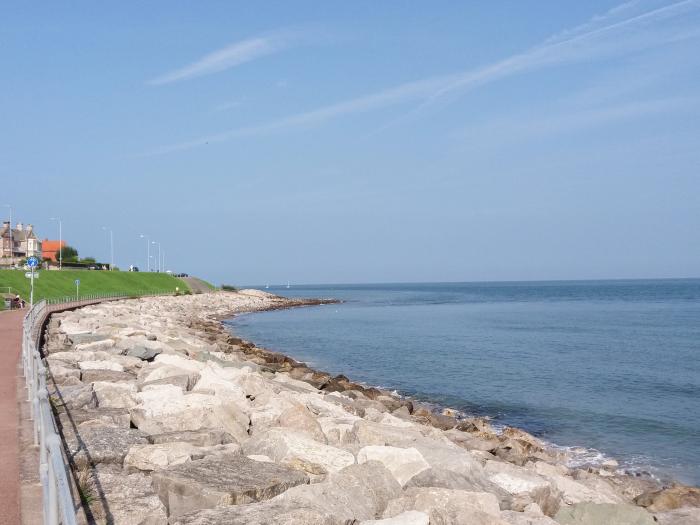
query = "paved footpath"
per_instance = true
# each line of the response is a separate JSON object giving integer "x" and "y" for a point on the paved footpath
{"x": 10, "y": 347}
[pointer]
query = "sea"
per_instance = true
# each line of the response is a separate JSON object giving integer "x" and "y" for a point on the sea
{"x": 606, "y": 369}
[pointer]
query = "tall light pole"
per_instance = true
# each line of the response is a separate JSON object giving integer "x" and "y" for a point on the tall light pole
{"x": 163, "y": 260}
{"x": 148, "y": 251}
{"x": 12, "y": 245}
{"x": 60, "y": 241}
{"x": 158, "y": 265}
{"x": 111, "y": 247}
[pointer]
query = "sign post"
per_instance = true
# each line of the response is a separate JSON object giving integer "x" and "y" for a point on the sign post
{"x": 77, "y": 289}
{"x": 32, "y": 262}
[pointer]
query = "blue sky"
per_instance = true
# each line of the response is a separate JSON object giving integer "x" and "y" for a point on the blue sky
{"x": 360, "y": 141}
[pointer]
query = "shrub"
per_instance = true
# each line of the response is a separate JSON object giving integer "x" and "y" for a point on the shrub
{"x": 229, "y": 288}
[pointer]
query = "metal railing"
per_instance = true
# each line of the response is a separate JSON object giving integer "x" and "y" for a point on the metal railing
{"x": 58, "y": 502}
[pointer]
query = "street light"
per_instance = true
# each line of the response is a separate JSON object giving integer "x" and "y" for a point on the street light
{"x": 111, "y": 247}
{"x": 158, "y": 269}
{"x": 60, "y": 241}
{"x": 12, "y": 246}
{"x": 148, "y": 251}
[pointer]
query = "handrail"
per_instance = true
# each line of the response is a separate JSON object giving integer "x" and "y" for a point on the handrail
{"x": 53, "y": 470}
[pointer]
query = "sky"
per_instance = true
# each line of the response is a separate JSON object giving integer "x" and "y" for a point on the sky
{"x": 350, "y": 142}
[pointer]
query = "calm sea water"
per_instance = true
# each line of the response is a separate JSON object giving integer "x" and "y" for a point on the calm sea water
{"x": 612, "y": 366}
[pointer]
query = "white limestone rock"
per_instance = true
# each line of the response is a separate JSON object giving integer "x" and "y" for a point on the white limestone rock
{"x": 298, "y": 450}
{"x": 403, "y": 463}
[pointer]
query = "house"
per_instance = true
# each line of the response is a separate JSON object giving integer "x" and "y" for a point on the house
{"x": 49, "y": 249}
{"x": 18, "y": 242}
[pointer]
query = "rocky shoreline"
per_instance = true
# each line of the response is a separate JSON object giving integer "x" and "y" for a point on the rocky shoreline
{"x": 168, "y": 418}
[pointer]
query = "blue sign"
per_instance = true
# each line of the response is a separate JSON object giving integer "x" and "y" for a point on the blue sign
{"x": 32, "y": 262}
{"x": 77, "y": 282}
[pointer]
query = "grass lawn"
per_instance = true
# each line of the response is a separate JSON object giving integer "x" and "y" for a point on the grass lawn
{"x": 55, "y": 284}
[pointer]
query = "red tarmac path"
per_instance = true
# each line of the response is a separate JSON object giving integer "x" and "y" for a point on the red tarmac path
{"x": 10, "y": 348}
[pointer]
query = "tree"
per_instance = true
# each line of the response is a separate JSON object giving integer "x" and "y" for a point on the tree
{"x": 67, "y": 253}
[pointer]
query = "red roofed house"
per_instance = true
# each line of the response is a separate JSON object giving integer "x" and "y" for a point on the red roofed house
{"x": 49, "y": 249}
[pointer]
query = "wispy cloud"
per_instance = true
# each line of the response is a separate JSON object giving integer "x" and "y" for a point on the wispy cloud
{"x": 526, "y": 127}
{"x": 230, "y": 56}
{"x": 606, "y": 35}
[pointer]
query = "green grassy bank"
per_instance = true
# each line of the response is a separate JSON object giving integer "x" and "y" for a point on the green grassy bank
{"x": 55, "y": 284}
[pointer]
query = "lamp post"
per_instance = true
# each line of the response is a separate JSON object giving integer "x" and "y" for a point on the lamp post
{"x": 12, "y": 246}
{"x": 111, "y": 247}
{"x": 148, "y": 251}
{"x": 60, "y": 241}
{"x": 158, "y": 269}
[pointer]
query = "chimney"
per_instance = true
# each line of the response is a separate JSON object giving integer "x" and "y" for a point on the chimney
{"x": 29, "y": 228}
{"x": 20, "y": 227}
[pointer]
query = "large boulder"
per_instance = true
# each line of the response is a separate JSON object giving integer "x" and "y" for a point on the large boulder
{"x": 448, "y": 479}
{"x": 574, "y": 491}
{"x": 273, "y": 512}
{"x": 112, "y": 376}
{"x": 670, "y": 498}
{"x": 100, "y": 365}
{"x": 403, "y": 463}
{"x": 73, "y": 397}
{"x": 525, "y": 486}
{"x": 410, "y": 517}
{"x": 122, "y": 499}
{"x": 198, "y": 438}
{"x": 682, "y": 516}
{"x": 448, "y": 507}
{"x": 607, "y": 513}
{"x": 115, "y": 395}
{"x": 298, "y": 450}
{"x": 101, "y": 444}
{"x": 163, "y": 455}
{"x": 221, "y": 480}
{"x": 167, "y": 409}
{"x": 300, "y": 419}
{"x": 221, "y": 382}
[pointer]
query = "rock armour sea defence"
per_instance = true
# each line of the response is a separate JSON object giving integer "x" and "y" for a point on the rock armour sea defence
{"x": 168, "y": 418}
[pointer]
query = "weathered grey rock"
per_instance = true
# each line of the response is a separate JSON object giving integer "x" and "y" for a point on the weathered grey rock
{"x": 113, "y": 376}
{"x": 142, "y": 352}
{"x": 123, "y": 499}
{"x": 512, "y": 517}
{"x": 410, "y": 517}
{"x": 338, "y": 431}
{"x": 221, "y": 480}
{"x": 60, "y": 374}
{"x": 608, "y": 513}
{"x": 682, "y": 516}
{"x": 403, "y": 463}
{"x": 448, "y": 507}
{"x": 298, "y": 450}
{"x": 76, "y": 418}
{"x": 152, "y": 457}
{"x": 574, "y": 491}
{"x": 93, "y": 346}
{"x": 74, "y": 397}
{"x": 448, "y": 479}
{"x": 525, "y": 486}
{"x": 198, "y": 438}
{"x": 184, "y": 382}
{"x": 101, "y": 444}
{"x": 266, "y": 513}
{"x": 357, "y": 492}
{"x": 100, "y": 365}
{"x": 156, "y": 373}
{"x": 115, "y": 395}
